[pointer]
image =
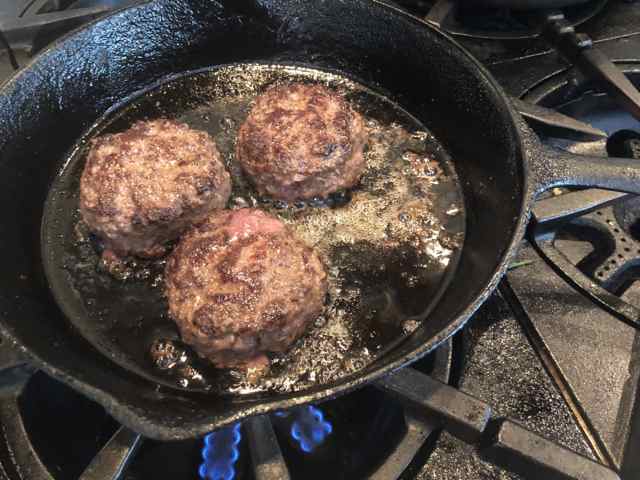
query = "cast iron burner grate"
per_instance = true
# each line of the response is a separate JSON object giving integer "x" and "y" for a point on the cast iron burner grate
{"x": 555, "y": 27}
{"x": 372, "y": 436}
{"x": 590, "y": 240}
{"x": 27, "y": 26}
{"x": 473, "y": 20}
{"x": 366, "y": 434}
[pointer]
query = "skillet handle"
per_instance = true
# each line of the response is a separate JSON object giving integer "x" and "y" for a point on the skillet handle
{"x": 558, "y": 168}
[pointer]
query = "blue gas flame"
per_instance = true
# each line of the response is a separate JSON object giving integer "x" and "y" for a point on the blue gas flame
{"x": 310, "y": 429}
{"x": 220, "y": 454}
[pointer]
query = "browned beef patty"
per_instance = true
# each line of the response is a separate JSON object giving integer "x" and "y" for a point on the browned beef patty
{"x": 241, "y": 285}
{"x": 144, "y": 187}
{"x": 302, "y": 141}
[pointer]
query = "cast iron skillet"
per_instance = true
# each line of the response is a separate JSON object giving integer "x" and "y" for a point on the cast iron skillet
{"x": 46, "y": 107}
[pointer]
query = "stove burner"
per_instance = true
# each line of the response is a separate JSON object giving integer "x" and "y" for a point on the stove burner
{"x": 220, "y": 454}
{"x": 30, "y": 25}
{"x": 309, "y": 427}
{"x": 467, "y": 19}
{"x": 350, "y": 437}
{"x": 627, "y": 214}
{"x": 583, "y": 100}
{"x": 624, "y": 143}
{"x": 605, "y": 242}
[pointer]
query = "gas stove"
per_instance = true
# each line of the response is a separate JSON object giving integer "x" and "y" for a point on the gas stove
{"x": 552, "y": 353}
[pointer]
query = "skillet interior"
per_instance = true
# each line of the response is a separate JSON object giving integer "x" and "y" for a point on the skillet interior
{"x": 390, "y": 245}
{"x": 47, "y": 107}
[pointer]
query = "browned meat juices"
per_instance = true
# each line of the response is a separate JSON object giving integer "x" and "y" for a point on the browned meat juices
{"x": 302, "y": 141}
{"x": 241, "y": 285}
{"x": 144, "y": 187}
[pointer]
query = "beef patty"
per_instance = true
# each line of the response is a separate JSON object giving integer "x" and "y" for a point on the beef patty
{"x": 241, "y": 285}
{"x": 145, "y": 186}
{"x": 301, "y": 141}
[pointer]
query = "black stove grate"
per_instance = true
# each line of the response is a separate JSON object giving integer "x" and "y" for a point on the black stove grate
{"x": 469, "y": 19}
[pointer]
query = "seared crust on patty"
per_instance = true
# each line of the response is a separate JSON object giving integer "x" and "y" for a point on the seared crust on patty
{"x": 302, "y": 141}
{"x": 241, "y": 285}
{"x": 145, "y": 186}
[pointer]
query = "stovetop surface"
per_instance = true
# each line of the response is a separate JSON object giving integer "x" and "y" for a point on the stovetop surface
{"x": 539, "y": 351}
